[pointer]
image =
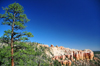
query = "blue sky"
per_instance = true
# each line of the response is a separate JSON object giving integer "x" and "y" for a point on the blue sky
{"x": 73, "y": 24}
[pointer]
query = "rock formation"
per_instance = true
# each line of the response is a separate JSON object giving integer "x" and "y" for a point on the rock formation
{"x": 43, "y": 45}
{"x": 70, "y": 54}
{"x": 52, "y": 46}
{"x": 66, "y": 56}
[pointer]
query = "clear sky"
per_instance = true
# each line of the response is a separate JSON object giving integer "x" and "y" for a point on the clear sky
{"x": 73, "y": 24}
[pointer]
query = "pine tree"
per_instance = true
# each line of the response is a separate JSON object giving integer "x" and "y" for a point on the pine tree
{"x": 14, "y": 17}
{"x": 5, "y": 38}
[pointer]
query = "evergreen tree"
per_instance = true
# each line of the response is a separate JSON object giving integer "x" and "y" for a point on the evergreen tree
{"x": 5, "y": 38}
{"x": 14, "y": 17}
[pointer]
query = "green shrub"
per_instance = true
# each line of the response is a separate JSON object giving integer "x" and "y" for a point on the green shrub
{"x": 24, "y": 55}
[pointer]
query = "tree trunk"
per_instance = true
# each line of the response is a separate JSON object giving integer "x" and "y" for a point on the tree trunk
{"x": 12, "y": 58}
{"x": 39, "y": 63}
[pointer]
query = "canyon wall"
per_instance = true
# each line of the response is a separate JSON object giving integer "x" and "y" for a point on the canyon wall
{"x": 66, "y": 56}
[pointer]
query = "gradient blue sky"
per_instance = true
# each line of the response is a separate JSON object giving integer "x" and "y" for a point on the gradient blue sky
{"x": 73, "y": 24}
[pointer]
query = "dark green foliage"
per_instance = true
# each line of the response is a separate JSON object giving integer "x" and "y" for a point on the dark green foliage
{"x": 96, "y": 63}
{"x": 96, "y": 52}
{"x": 71, "y": 64}
{"x": 5, "y": 56}
{"x": 20, "y": 17}
{"x": 5, "y": 39}
{"x": 14, "y": 16}
{"x": 24, "y": 55}
{"x": 91, "y": 61}
{"x": 56, "y": 63}
{"x": 44, "y": 64}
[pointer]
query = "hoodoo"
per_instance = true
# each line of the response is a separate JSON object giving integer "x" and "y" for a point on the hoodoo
{"x": 66, "y": 55}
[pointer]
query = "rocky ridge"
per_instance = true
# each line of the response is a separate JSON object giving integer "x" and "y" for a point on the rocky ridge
{"x": 66, "y": 56}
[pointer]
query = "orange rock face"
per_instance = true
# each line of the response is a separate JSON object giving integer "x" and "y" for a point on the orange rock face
{"x": 63, "y": 57}
{"x": 65, "y": 62}
{"x": 52, "y": 46}
{"x": 53, "y": 58}
{"x": 87, "y": 55}
{"x": 91, "y": 55}
{"x": 71, "y": 57}
{"x": 84, "y": 56}
{"x": 46, "y": 46}
{"x": 56, "y": 57}
{"x": 77, "y": 56}
{"x": 68, "y": 56}
{"x": 73, "y": 54}
{"x": 81, "y": 55}
{"x": 61, "y": 47}
{"x": 69, "y": 63}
